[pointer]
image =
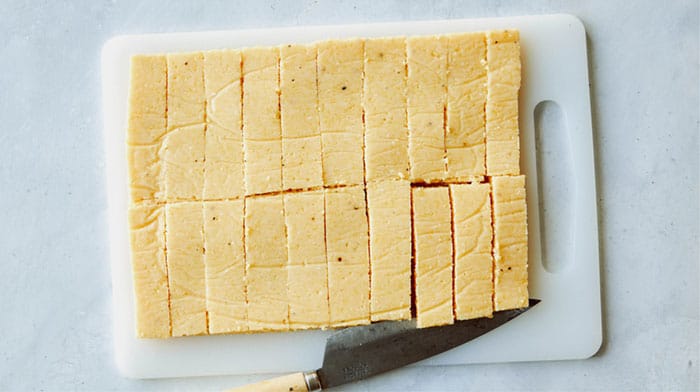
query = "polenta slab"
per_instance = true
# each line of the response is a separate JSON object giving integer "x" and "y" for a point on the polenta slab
{"x": 262, "y": 136}
{"x": 266, "y": 264}
{"x": 510, "y": 242}
{"x": 473, "y": 263}
{"x": 347, "y": 255}
{"x": 224, "y": 265}
{"x": 301, "y": 137}
{"x": 146, "y": 126}
{"x": 223, "y": 165}
{"x": 186, "y": 276}
{"x": 307, "y": 283}
{"x": 184, "y": 144}
{"x": 384, "y": 103}
{"x": 147, "y": 240}
{"x": 340, "y": 111}
{"x": 502, "y": 132}
{"x": 389, "y": 206}
{"x": 426, "y": 100}
{"x": 465, "y": 142}
{"x": 304, "y": 186}
{"x": 432, "y": 239}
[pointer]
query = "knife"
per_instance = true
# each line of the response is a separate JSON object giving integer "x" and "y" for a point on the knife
{"x": 356, "y": 353}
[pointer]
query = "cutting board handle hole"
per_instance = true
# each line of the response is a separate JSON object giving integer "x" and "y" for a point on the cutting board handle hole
{"x": 556, "y": 186}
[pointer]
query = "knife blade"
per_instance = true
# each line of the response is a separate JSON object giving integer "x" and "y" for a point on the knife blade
{"x": 356, "y": 353}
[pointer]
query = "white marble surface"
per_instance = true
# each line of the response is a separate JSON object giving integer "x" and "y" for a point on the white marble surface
{"x": 55, "y": 327}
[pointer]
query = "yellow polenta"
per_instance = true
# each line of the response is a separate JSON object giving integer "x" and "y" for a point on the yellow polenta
{"x": 223, "y": 166}
{"x": 326, "y": 185}
{"x": 184, "y": 142}
{"x": 307, "y": 277}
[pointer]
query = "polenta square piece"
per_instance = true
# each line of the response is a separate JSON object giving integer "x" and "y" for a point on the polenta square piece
{"x": 262, "y": 136}
{"x": 184, "y": 144}
{"x": 340, "y": 111}
{"x": 502, "y": 131}
{"x": 307, "y": 283}
{"x": 147, "y": 126}
{"x": 426, "y": 100}
{"x": 266, "y": 263}
{"x": 186, "y": 276}
{"x": 347, "y": 255}
{"x": 389, "y": 206}
{"x": 473, "y": 263}
{"x": 223, "y": 165}
{"x": 147, "y": 239}
{"x": 384, "y": 103}
{"x": 465, "y": 142}
{"x": 224, "y": 266}
{"x": 186, "y": 100}
{"x": 432, "y": 240}
{"x": 301, "y": 136}
{"x": 510, "y": 242}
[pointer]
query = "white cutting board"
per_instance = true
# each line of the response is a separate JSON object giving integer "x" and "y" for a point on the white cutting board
{"x": 565, "y": 325}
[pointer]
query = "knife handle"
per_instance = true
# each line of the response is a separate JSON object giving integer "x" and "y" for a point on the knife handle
{"x": 297, "y": 382}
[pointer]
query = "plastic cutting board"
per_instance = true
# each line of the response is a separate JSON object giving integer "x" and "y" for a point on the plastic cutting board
{"x": 566, "y": 325}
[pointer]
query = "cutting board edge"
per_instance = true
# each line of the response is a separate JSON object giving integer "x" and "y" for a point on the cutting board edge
{"x": 121, "y": 45}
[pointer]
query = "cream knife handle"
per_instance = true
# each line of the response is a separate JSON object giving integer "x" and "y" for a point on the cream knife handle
{"x": 297, "y": 382}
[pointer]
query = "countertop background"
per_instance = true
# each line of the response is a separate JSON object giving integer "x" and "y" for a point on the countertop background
{"x": 55, "y": 297}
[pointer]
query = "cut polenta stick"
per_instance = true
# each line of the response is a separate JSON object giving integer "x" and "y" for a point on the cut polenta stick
{"x": 223, "y": 166}
{"x": 183, "y": 146}
{"x": 147, "y": 108}
{"x": 389, "y": 206}
{"x": 185, "y": 258}
{"x": 266, "y": 263}
{"x": 426, "y": 100}
{"x": 473, "y": 263}
{"x": 262, "y": 136}
{"x": 147, "y": 231}
{"x": 384, "y": 103}
{"x": 340, "y": 111}
{"x": 347, "y": 254}
{"x": 307, "y": 283}
{"x": 186, "y": 100}
{"x": 510, "y": 242}
{"x": 432, "y": 236}
{"x": 224, "y": 266}
{"x": 465, "y": 142}
{"x": 502, "y": 132}
{"x": 301, "y": 137}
